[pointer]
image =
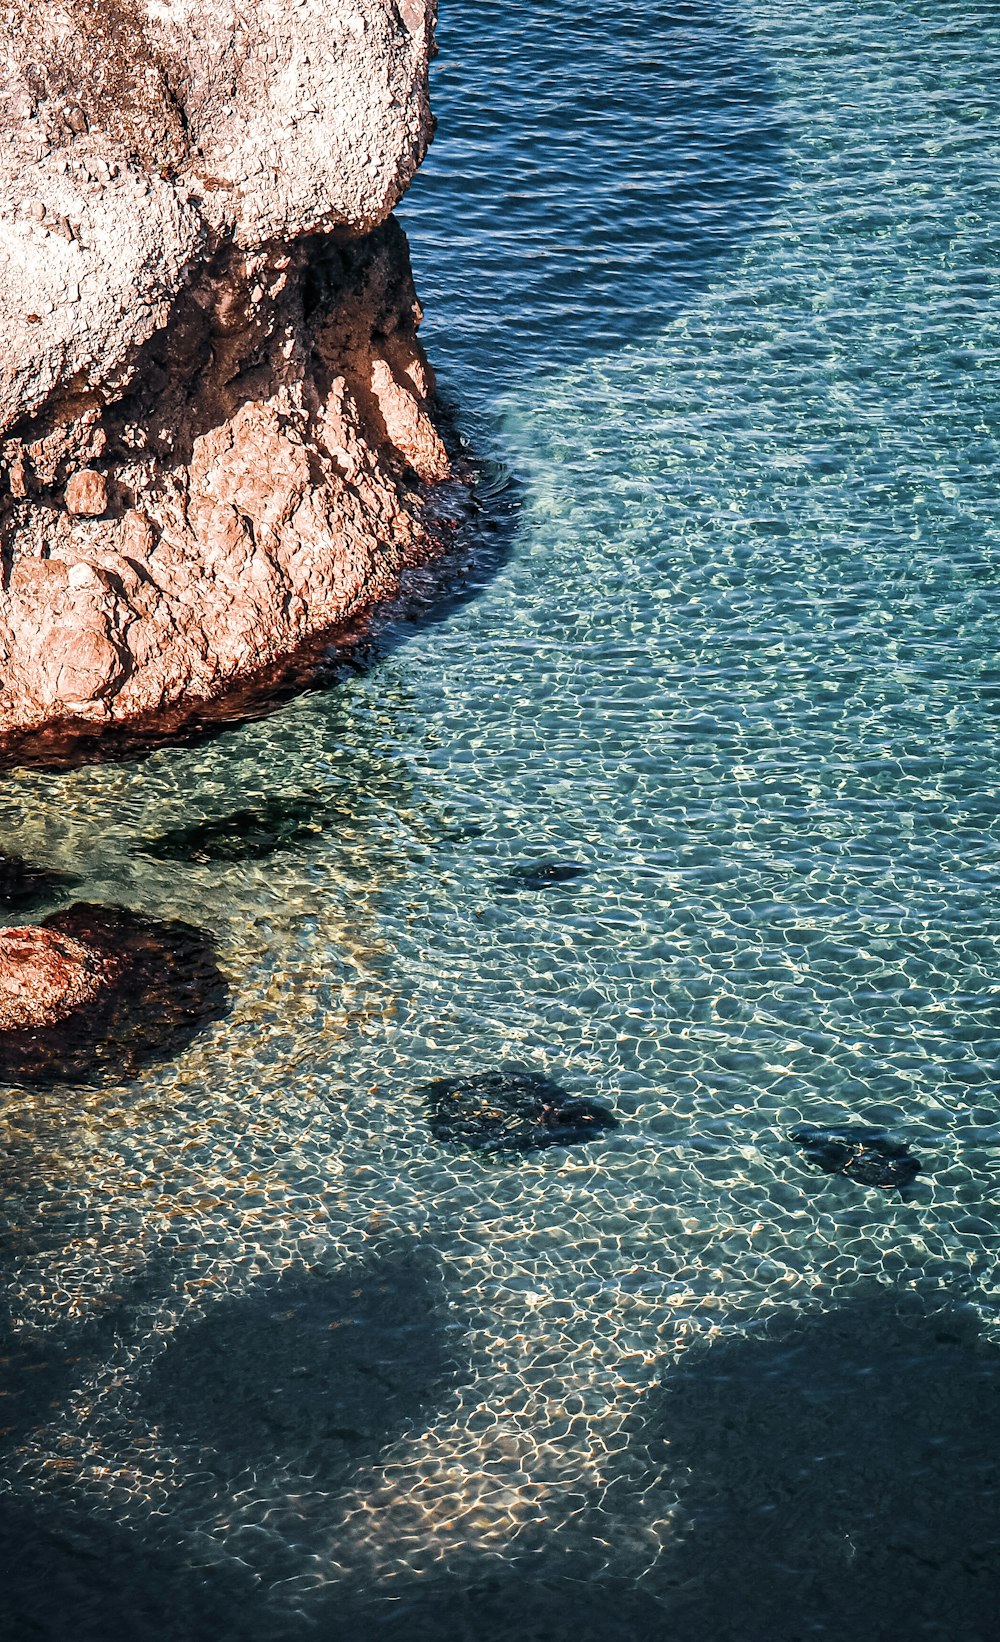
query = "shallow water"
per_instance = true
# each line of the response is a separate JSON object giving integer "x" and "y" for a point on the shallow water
{"x": 713, "y": 283}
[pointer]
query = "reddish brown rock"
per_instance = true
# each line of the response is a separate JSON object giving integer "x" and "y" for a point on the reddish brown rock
{"x": 87, "y": 493}
{"x": 264, "y": 479}
{"x": 215, "y": 417}
{"x": 93, "y": 993}
{"x": 46, "y": 975}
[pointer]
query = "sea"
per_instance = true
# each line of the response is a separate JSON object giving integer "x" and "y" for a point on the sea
{"x": 684, "y": 797}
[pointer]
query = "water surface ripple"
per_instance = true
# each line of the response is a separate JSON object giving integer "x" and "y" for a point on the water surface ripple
{"x": 715, "y": 283}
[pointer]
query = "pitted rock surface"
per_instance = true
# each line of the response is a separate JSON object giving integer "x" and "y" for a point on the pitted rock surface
{"x": 215, "y": 413}
{"x": 137, "y": 132}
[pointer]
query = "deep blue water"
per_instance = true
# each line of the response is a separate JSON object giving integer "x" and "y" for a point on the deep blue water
{"x": 714, "y": 285}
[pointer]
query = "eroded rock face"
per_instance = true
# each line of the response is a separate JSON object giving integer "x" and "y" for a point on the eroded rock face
{"x": 215, "y": 413}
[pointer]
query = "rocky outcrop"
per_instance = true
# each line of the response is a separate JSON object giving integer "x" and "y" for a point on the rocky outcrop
{"x": 215, "y": 417}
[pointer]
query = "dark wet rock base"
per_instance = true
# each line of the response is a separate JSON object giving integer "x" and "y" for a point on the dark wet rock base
{"x": 511, "y": 1110}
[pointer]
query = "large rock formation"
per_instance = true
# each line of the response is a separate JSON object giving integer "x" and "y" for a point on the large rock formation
{"x": 215, "y": 436}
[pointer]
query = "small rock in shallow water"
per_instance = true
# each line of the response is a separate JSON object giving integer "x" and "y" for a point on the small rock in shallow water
{"x": 511, "y": 1110}
{"x": 244, "y": 835}
{"x": 867, "y": 1156}
{"x": 23, "y": 886}
{"x": 540, "y": 875}
{"x": 93, "y": 993}
{"x": 46, "y": 975}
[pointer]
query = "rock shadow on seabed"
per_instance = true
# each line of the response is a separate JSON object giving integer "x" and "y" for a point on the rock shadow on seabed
{"x": 319, "y": 1368}
{"x": 310, "y": 1373}
{"x": 838, "y": 1475}
{"x": 24, "y": 887}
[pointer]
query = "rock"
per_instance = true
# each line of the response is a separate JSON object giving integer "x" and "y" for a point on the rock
{"x": 245, "y": 835}
{"x": 540, "y": 875}
{"x": 93, "y": 993}
{"x": 216, "y": 421}
{"x": 46, "y": 975}
{"x": 156, "y": 132}
{"x": 865, "y": 1155}
{"x": 87, "y": 493}
{"x": 23, "y": 886}
{"x": 510, "y": 1110}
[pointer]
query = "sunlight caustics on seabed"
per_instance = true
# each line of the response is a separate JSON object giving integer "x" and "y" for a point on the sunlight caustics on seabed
{"x": 714, "y": 283}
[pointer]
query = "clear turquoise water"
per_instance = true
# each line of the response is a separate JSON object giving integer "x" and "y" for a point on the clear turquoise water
{"x": 717, "y": 286}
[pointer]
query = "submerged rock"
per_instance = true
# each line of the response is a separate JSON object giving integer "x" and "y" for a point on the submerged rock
{"x": 539, "y": 875}
{"x": 23, "y": 886}
{"x": 867, "y": 1156}
{"x": 511, "y": 1110}
{"x": 244, "y": 835}
{"x": 93, "y": 993}
{"x": 46, "y": 975}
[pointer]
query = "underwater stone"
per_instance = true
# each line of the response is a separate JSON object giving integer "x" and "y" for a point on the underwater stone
{"x": 93, "y": 993}
{"x": 511, "y": 1110}
{"x": 539, "y": 875}
{"x": 23, "y": 886}
{"x": 867, "y": 1156}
